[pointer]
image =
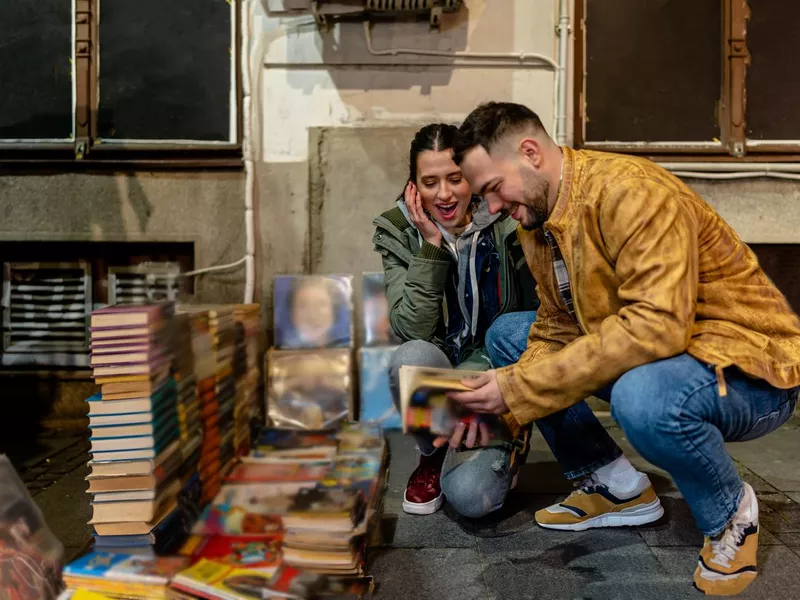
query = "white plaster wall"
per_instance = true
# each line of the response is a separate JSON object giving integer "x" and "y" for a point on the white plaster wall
{"x": 317, "y": 79}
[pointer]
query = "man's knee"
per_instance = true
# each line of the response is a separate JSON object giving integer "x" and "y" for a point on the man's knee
{"x": 498, "y": 336}
{"x": 642, "y": 400}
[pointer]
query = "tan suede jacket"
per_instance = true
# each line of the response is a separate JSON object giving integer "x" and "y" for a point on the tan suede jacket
{"x": 654, "y": 272}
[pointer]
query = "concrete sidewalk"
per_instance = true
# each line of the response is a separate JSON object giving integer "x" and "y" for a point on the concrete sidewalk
{"x": 508, "y": 556}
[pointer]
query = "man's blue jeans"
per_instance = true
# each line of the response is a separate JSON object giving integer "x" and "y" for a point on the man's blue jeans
{"x": 476, "y": 482}
{"x": 673, "y": 415}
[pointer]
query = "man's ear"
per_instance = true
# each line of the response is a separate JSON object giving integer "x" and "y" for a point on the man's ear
{"x": 531, "y": 150}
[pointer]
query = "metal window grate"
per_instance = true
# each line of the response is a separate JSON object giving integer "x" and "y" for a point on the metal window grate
{"x": 46, "y": 307}
{"x": 143, "y": 283}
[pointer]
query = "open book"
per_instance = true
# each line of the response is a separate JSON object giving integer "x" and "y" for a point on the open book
{"x": 424, "y": 404}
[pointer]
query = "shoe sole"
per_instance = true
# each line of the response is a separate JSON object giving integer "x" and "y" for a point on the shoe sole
{"x": 640, "y": 515}
{"x": 722, "y": 585}
{"x": 419, "y": 508}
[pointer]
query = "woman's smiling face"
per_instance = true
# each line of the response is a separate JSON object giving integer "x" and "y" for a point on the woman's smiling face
{"x": 444, "y": 191}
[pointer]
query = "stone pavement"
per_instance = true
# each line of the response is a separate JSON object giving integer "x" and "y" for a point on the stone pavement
{"x": 507, "y": 556}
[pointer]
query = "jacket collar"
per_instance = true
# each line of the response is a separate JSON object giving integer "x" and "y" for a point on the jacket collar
{"x": 555, "y": 221}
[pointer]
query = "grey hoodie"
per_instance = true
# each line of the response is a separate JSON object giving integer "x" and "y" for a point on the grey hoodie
{"x": 463, "y": 248}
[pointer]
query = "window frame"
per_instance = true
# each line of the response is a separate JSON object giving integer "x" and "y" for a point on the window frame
{"x": 732, "y": 104}
{"x": 84, "y": 152}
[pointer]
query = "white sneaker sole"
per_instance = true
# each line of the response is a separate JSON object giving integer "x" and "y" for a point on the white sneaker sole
{"x": 630, "y": 517}
{"x": 426, "y": 508}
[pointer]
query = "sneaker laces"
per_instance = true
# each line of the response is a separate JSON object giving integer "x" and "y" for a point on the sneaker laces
{"x": 586, "y": 484}
{"x": 725, "y": 547}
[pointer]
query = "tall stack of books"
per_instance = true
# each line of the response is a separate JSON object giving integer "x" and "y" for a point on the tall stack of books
{"x": 310, "y": 372}
{"x": 380, "y": 344}
{"x": 222, "y": 326}
{"x": 136, "y": 453}
{"x": 205, "y": 372}
{"x": 183, "y": 371}
{"x": 246, "y": 371}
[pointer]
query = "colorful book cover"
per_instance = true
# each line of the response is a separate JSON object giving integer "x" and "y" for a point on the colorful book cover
{"x": 288, "y": 440}
{"x": 376, "y": 397}
{"x": 212, "y": 579}
{"x": 252, "y": 553}
{"x": 291, "y": 581}
{"x": 124, "y": 567}
{"x": 314, "y": 311}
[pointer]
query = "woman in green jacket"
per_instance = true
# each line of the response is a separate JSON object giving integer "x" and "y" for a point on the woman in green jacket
{"x": 451, "y": 269}
{"x": 461, "y": 294}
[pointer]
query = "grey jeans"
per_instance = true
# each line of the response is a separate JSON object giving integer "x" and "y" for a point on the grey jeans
{"x": 475, "y": 482}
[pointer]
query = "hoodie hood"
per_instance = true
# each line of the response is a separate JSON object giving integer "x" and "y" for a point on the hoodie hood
{"x": 463, "y": 247}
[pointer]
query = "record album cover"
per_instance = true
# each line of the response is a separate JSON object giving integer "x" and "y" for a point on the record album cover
{"x": 309, "y": 389}
{"x": 313, "y": 311}
{"x": 377, "y": 327}
{"x": 376, "y": 396}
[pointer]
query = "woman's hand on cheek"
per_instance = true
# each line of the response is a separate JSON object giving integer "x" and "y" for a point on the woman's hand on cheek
{"x": 430, "y": 232}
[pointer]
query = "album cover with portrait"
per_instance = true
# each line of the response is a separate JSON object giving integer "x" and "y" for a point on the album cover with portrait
{"x": 376, "y": 397}
{"x": 310, "y": 389}
{"x": 377, "y": 327}
{"x": 313, "y": 311}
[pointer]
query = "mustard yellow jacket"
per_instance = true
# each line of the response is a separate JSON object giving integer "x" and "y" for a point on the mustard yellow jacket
{"x": 654, "y": 272}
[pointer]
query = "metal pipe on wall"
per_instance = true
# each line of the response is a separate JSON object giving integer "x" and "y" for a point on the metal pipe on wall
{"x": 561, "y": 73}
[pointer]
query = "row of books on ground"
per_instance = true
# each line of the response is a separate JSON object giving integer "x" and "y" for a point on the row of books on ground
{"x": 292, "y": 519}
{"x": 168, "y": 419}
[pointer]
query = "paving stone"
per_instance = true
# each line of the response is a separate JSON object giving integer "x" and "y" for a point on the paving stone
{"x": 440, "y": 574}
{"x": 443, "y": 529}
{"x": 790, "y": 539}
{"x": 593, "y": 564}
{"x": 777, "y": 567}
{"x": 65, "y": 506}
{"x": 774, "y": 457}
{"x": 778, "y": 513}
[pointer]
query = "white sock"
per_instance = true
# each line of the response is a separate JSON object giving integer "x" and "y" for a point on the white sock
{"x": 618, "y": 475}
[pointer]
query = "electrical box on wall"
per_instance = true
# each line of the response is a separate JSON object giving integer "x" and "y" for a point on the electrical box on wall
{"x": 325, "y": 10}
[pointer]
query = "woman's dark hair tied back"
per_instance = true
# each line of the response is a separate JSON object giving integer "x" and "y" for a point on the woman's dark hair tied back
{"x": 436, "y": 137}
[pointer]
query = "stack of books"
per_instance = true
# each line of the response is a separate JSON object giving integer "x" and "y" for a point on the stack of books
{"x": 183, "y": 371}
{"x": 222, "y": 327}
{"x": 136, "y": 455}
{"x": 247, "y": 359}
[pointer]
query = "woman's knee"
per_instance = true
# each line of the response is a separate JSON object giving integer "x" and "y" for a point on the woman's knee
{"x": 475, "y": 490}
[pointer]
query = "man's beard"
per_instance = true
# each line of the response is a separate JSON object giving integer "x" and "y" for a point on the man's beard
{"x": 536, "y": 192}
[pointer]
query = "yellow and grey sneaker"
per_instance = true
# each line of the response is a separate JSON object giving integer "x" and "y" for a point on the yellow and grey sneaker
{"x": 595, "y": 505}
{"x": 727, "y": 563}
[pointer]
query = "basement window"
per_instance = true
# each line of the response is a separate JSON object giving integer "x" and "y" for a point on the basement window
{"x": 688, "y": 79}
{"x": 121, "y": 82}
{"x": 51, "y": 288}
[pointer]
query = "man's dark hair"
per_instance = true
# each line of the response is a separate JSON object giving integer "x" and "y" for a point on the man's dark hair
{"x": 491, "y": 122}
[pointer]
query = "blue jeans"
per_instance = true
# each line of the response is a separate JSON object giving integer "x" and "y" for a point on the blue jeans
{"x": 476, "y": 482}
{"x": 506, "y": 340}
{"x": 673, "y": 415}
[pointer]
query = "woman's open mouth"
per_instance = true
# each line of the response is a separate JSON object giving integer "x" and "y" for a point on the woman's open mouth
{"x": 447, "y": 211}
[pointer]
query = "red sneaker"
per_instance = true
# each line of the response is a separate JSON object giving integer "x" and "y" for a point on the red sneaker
{"x": 423, "y": 494}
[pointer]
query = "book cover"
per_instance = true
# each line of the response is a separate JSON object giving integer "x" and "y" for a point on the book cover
{"x": 314, "y": 311}
{"x": 377, "y": 405}
{"x": 278, "y": 472}
{"x": 123, "y": 567}
{"x": 321, "y": 502}
{"x": 261, "y": 553}
{"x": 220, "y": 581}
{"x": 309, "y": 390}
{"x": 425, "y": 407}
{"x": 377, "y": 328}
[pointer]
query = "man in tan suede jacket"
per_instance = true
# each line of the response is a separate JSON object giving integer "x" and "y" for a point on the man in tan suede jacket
{"x": 651, "y": 301}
